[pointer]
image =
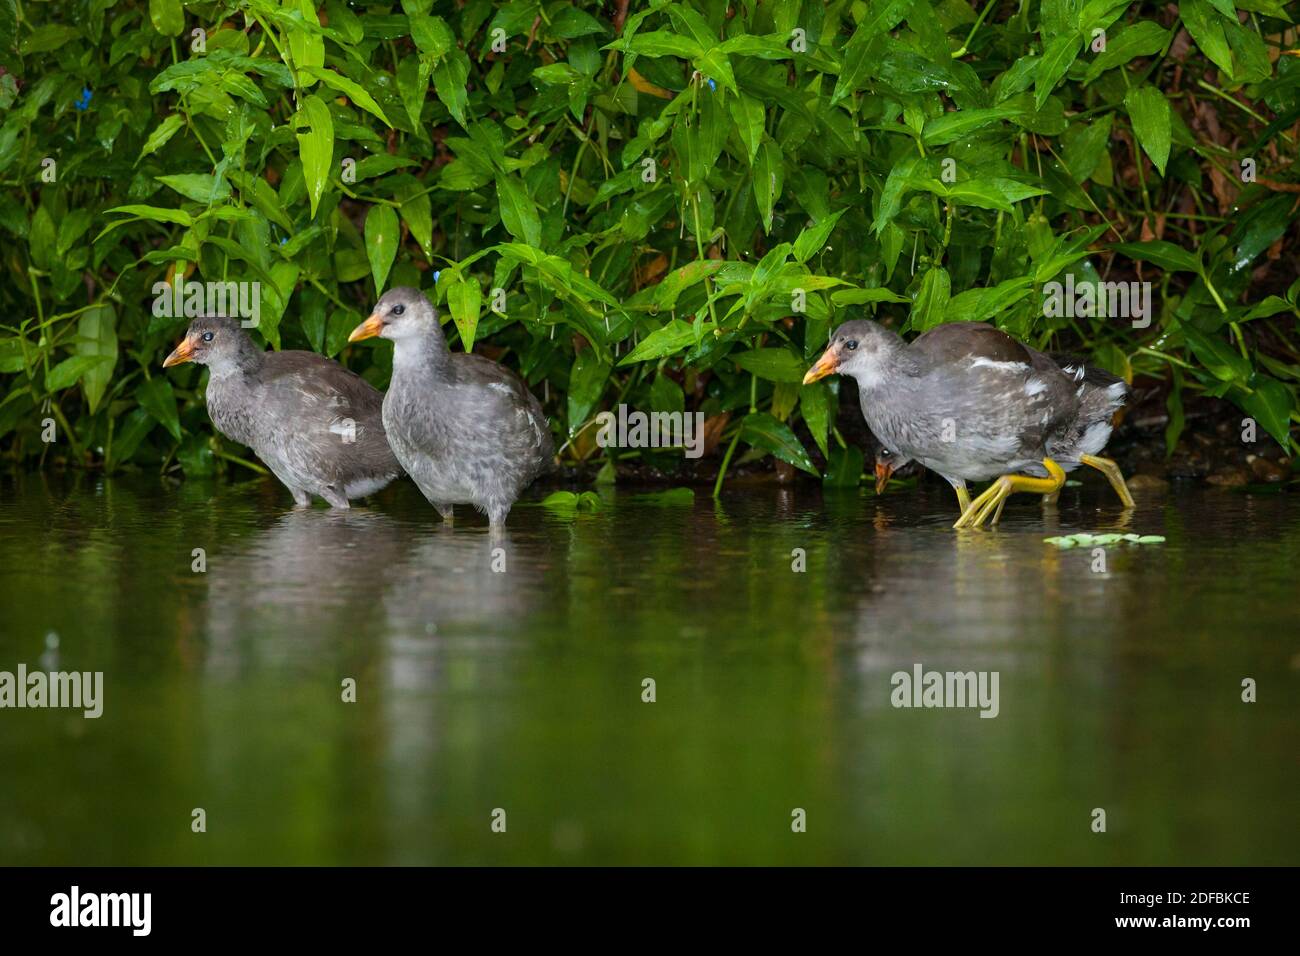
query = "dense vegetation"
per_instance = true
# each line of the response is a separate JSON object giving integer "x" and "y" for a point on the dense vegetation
{"x": 676, "y": 200}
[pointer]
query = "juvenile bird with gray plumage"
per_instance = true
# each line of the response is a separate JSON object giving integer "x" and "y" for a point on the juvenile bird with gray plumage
{"x": 466, "y": 429}
{"x": 316, "y": 425}
{"x": 971, "y": 403}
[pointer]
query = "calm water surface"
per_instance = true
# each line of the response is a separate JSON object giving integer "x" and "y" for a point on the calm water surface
{"x": 521, "y": 689}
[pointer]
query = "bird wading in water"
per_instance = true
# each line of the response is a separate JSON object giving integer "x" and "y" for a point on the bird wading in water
{"x": 971, "y": 403}
{"x": 467, "y": 430}
{"x": 316, "y": 425}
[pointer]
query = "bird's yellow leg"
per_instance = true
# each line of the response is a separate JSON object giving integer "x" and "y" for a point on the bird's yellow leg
{"x": 963, "y": 496}
{"x": 990, "y": 501}
{"x": 1116, "y": 477}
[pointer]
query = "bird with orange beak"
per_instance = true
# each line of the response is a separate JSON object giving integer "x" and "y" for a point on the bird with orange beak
{"x": 971, "y": 403}
{"x": 466, "y": 429}
{"x": 316, "y": 425}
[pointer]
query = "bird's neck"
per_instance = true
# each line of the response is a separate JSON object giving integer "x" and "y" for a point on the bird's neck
{"x": 421, "y": 356}
{"x": 246, "y": 361}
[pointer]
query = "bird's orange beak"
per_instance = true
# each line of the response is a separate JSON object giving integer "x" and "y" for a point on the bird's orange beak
{"x": 181, "y": 354}
{"x": 367, "y": 329}
{"x": 828, "y": 364}
{"x": 883, "y": 474}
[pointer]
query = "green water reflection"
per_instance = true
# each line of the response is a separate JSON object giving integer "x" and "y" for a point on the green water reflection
{"x": 521, "y": 689}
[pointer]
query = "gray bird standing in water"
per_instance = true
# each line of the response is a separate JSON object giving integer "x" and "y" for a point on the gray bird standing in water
{"x": 971, "y": 403}
{"x": 316, "y": 425}
{"x": 466, "y": 429}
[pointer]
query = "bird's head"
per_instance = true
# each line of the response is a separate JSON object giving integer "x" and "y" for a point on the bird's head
{"x": 399, "y": 314}
{"x": 210, "y": 340}
{"x": 855, "y": 349}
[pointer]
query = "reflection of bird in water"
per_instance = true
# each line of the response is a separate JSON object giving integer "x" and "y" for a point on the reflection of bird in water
{"x": 479, "y": 583}
{"x": 887, "y": 463}
{"x": 293, "y": 590}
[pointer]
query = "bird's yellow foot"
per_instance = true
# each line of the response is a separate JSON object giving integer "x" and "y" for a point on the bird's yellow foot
{"x": 990, "y": 501}
{"x": 1116, "y": 477}
{"x": 963, "y": 496}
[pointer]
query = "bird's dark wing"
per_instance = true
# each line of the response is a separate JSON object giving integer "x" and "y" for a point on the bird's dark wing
{"x": 319, "y": 380}
{"x": 504, "y": 398}
{"x": 955, "y": 341}
{"x": 332, "y": 414}
{"x": 1005, "y": 397}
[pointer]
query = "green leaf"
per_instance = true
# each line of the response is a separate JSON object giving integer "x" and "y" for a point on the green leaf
{"x": 844, "y": 467}
{"x": 1164, "y": 254}
{"x": 198, "y": 187}
{"x": 156, "y": 397}
{"x": 44, "y": 238}
{"x": 865, "y": 296}
{"x": 163, "y": 132}
{"x": 814, "y": 403}
{"x": 1144, "y": 38}
{"x": 569, "y": 503}
{"x": 1148, "y": 110}
{"x": 353, "y": 91}
{"x": 382, "y": 235}
{"x": 11, "y": 355}
{"x": 659, "y": 43}
{"x": 749, "y": 117}
{"x": 167, "y": 17}
{"x": 1085, "y": 145}
{"x": 127, "y": 435}
{"x": 1060, "y": 52}
{"x": 931, "y": 299}
{"x": 413, "y": 85}
{"x": 70, "y": 371}
{"x": 1219, "y": 358}
{"x": 1206, "y": 25}
{"x": 449, "y": 77}
{"x": 774, "y": 365}
{"x": 275, "y": 299}
{"x": 155, "y": 214}
{"x": 811, "y": 240}
{"x": 587, "y": 380}
{"x": 760, "y": 430}
{"x": 306, "y": 43}
{"x": 666, "y": 340}
{"x": 769, "y": 177}
{"x": 881, "y": 17}
{"x": 1270, "y": 403}
{"x": 465, "y": 299}
{"x": 417, "y": 213}
{"x": 518, "y": 211}
{"x": 666, "y": 395}
{"x": 97, "y": 337}
{"x": 315, "y": 132}
{"x": 959, "y": 124}
{"x": 47, "y": 38}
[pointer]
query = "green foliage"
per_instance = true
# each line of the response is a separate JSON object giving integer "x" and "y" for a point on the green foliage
{"x": 671, "y": 208}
